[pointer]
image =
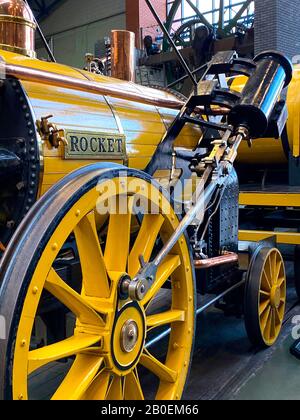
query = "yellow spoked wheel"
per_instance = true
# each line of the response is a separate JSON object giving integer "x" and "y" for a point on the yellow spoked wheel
{"x": 101, "y": 220}
{"x": 265, "y": 297}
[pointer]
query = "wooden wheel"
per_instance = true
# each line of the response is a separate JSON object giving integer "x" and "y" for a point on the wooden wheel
{"x": 265, "y": 297}
{"x": 107, "y": 354}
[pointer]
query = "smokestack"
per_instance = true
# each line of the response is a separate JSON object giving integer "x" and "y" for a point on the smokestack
{"x": 123, "y": 55}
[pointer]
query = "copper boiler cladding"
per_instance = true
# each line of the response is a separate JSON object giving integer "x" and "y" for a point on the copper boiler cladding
{"x": 123, "y": 55}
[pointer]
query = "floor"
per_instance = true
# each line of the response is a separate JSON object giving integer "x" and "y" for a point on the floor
{"x": 225, "y": 367}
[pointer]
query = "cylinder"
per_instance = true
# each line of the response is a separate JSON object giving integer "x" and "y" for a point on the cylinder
{"x": 273, "y": 72}
{"x": 17, "y": 27}
{"x": 123, "y": 55}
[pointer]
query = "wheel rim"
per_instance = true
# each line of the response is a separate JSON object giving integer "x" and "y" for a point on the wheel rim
{"x": 272, "y": 297}
{"x": 110, "y": 335}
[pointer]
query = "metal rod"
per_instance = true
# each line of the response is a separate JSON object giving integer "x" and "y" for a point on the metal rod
{"x": 228, "y": 258}
{"x": 217, "y": 298}
{"x": 187, "y": 221}
{"x": 183, "y": 78}
{"x": 200, "y": 310}
{"x": 40, "y": 32}
{"x": 165, "y": 31}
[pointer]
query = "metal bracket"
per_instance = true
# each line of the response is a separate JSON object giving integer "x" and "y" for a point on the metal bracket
{"x": 50, "y": 133}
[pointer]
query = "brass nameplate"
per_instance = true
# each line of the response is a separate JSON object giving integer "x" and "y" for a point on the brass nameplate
{"x": 92, "y": 146}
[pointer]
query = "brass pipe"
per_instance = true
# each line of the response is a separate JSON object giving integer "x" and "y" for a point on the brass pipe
{"x": 59, "y": 80}
{"x": 228, "y": 258}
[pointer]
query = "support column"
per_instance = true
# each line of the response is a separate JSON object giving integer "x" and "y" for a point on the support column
{"x": 139, "y": 19}
{"x": 277, "y": 26}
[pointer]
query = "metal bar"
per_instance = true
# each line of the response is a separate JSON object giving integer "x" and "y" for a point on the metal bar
{"x": 189, "y": 218}
{"x": 237, "y": 17}
{"x": 165, "y": 31}
{"x": 40, "y": 32}
{"x": 183, "y": 78}
{"x": 221, "y": 15}
{"x": 203, "y": 308}
{"x": 216, "y": 299}
{"x": 199, "y": 14}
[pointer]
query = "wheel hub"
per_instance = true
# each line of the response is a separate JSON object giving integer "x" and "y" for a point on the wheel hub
{"x": 129, "y": 336}
{"x": 275, "y": 297}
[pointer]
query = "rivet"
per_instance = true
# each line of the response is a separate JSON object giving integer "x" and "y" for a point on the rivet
{"x": 177, "y": 397}
{"x": 185, "y": 364}
{"x": 20, "y": 397}
{"x": 54, "y": 247}
{"x": 175, "y": 346}
{"x": 31, "y": 132}
{"x": 32, "y": 141}
{"x": 23, "y": 343}
{"x": 187, "y": 269}
{"x": 78, "y": 213}
{"x": 189, "y": 331}
{"x": 35, "y": 290}
{"x": 190, "y": 299}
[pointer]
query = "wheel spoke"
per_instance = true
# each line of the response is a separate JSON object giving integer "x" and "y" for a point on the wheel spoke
{"x": 79, "y": 377}
{"x": 165, "y": 270}
{"x": 154, "y": 321}
{"x": 265, "y": 282}
{"x": 71, "y": 299}
{"x": 117, "y": 242}
{"x": 99, "y": 387}
{"x": 145, "y": 241}
{"x": 160, "y": 370}
{"x": 132, "y": 388}
{"x": 115, "y": 392}
{"x": 278, "y": 270}
{"x": 264, "y": 319}
{"x": 61, "y": 350}
{"x": 278, "y": 318}
{"x": 268, "y": 327}
{"x": 94, "y": 275}
{"x": 263, "y": 306}
{"x": 273, "y": 324}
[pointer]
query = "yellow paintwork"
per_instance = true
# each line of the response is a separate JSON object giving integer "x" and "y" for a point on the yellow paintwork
{"x": 143, "y": 125}
{"x": 96, "y": 334}
{"x": 284, "y": 238}
{"x": 269, "y": 199}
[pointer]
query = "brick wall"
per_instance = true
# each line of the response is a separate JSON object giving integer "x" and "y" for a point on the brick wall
{"x": 277, "y": 26}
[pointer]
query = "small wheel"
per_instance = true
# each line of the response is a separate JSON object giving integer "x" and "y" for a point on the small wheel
{"x": 108, "y": 353}
{"x": 297, "y": 269}
{"x": 265, "y": 297}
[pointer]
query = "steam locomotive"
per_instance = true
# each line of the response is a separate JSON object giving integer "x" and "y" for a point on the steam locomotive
{"x": 99, "y": 303}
